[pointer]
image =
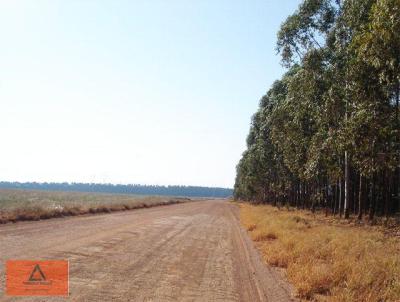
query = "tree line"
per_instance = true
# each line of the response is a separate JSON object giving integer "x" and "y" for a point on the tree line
{"x": 327, "y": 134}
{"x": 184, "y": 191}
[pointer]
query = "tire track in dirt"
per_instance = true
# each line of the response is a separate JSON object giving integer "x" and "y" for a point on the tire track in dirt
{"x": 195, "y": 251}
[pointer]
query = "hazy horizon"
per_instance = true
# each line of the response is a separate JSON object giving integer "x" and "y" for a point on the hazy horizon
{"x": 114, "y": 184}
{"x": 124, "y": 92}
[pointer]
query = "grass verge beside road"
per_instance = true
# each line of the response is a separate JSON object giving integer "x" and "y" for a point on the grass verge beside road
{"x": 326, "y": 261}
{"x": 22, "y": 205}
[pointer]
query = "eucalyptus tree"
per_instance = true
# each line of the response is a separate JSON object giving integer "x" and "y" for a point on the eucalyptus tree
{"x": 378, "y": 49}
{"x": 329, "y": 131}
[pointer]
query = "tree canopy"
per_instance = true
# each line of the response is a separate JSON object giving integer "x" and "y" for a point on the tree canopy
{"x": 327, "y": 134}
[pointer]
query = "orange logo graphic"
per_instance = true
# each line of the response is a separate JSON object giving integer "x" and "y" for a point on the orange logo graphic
{"x": 37, "y": 278}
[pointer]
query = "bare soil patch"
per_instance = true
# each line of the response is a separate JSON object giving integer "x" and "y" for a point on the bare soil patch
{"x": 194, "y": 251}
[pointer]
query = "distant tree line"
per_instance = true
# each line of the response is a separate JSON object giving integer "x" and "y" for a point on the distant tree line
{"x": 184, "y": 191}
{"x": 327, "y": 134}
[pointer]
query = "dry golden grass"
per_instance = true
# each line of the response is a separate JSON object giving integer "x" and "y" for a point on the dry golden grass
{"x": 326, "y": 261}
{"x": 20, "y": 205}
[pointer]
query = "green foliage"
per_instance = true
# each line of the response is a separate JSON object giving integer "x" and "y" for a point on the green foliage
{"x": 340, "y": 94}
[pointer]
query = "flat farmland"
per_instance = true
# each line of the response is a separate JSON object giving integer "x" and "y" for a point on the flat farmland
{"x": 19, "y": 205}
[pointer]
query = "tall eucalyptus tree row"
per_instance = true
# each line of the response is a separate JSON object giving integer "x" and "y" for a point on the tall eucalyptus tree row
{"x": 327, "y": 134}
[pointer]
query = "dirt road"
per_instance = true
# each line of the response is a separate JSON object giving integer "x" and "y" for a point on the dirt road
{"x": 187, "y": 252}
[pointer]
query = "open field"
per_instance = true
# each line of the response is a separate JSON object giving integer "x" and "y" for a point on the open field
{"x": 327, "y": 260}
{"x": 19, "y": 205}
{"x": 195, "y": 251}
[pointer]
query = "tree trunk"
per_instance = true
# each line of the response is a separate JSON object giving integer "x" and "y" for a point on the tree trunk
{"x": 361, "y": 198}
{"x": 298, "y": 194}
{"x": 367, "y": 198}
{"x": 346, "y": 185}
{"x": 337, "y": 196}
{"x": 356, "y": 191}
{"x": 373, "y": 199}
{"x": 386, "y": 193}
{"x": 396, "y": 178}
{"x": 341, "y": 197}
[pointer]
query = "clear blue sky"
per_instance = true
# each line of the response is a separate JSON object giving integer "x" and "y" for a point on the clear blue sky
{"x": 150, "y": 91}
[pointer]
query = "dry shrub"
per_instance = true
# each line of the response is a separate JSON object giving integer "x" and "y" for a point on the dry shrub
{"x": 326, "y": 261}
{"x": 251, "y": 227}
{"x": 22, "y": 205}
{"x": 263, "y": 236}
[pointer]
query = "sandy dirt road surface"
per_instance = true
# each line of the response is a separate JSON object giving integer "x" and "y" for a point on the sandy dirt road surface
{"x": 195, "y": 251}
